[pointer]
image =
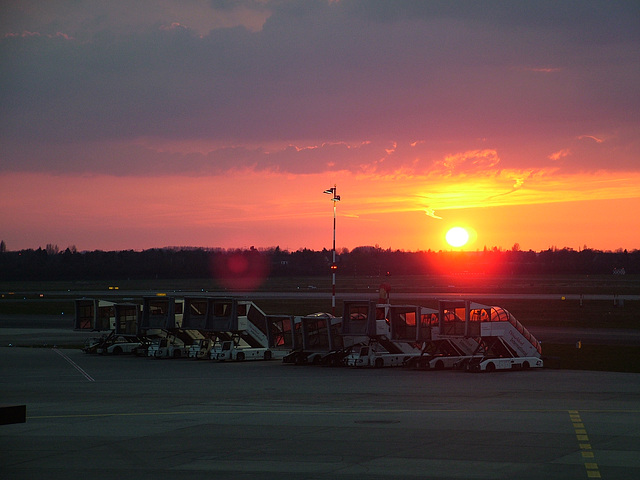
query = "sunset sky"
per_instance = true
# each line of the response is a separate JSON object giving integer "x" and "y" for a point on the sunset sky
{"x": 219, "y": 123}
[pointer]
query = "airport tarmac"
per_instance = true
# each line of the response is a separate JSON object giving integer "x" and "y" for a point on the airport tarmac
{"x": 127, "y": 417}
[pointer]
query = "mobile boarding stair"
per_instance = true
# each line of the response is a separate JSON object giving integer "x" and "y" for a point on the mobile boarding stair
{"x": 379, "y": 334}
{"x": 503, "y": 343}
{"x": 229, "y": 324}
{"x": 316, "y": 340}
{"x": 162, "y": 323}
{"x": 117, "y": 321}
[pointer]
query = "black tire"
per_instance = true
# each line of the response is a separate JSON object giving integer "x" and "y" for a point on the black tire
{"x": 525, "y": 365}
{"x": 117, "y": 350}
{"x": 240, "y": 356}
{"x": 267, "y": 355}
{"x": 177, "y": 354}
{"x": 439, "y": 365}
{"x": 490, "y": 367}
{"x": 379, "y": 363}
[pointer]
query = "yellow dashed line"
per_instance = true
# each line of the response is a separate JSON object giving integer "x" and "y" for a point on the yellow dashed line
{"x": 587, "y": 453}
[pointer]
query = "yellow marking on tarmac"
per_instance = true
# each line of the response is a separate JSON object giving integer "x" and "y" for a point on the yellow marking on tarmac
{"x": 587, "y": 453}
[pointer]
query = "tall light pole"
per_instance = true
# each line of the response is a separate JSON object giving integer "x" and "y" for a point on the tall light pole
{"x": 335, "y": 199}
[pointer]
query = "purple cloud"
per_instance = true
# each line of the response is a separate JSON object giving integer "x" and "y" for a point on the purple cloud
{"x": 339, "y": 82}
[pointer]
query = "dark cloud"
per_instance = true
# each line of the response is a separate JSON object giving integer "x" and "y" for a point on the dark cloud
{"x": 329, "y": 75}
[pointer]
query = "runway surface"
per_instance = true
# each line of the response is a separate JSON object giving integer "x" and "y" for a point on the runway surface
{"x": 127, "y": 417}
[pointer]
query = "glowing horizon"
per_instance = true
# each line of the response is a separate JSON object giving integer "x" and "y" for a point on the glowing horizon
{"x": 291, "y": 212}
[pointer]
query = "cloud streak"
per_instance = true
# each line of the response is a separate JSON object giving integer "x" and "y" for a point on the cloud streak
{"x": 430, "y": 212}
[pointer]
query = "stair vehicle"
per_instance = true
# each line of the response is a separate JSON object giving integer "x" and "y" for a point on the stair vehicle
{"x": 445, "y": 341}
{"x": 283, "y": 337}
{"x": 319, "y": 340}
{"x": 197, "y": 317}
{"x": 161, "y": 322}
{"x": 94, "y": 315}
{"x": 120, "y": 320}
{"x": 389, "y": 333}
{"x": 232, "y": 329}
{"x": 502, "y": 341}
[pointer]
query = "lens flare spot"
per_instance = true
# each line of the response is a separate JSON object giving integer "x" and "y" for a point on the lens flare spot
{"x": 241, "y": 270}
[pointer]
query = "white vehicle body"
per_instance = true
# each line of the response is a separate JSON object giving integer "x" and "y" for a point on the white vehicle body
{"x": 442, "y": 362}
{"x": 121, "y": 347}
{"x": 168, "y": 348}
{"x": 514, "y": 363}
{"x": 366, "y": 356}
{"x": 112, "y": 344}
{"x": 201, "y": 348}
{"x": 228, "y": 351}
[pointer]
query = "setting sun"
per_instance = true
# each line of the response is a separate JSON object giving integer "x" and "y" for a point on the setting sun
{"x": 457, "y": 237}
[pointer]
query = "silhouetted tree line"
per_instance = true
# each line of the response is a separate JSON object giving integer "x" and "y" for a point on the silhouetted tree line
{"x": 51, "y": 264}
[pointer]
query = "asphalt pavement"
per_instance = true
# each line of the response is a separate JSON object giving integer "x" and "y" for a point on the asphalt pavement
{"x": 101, "y": 417}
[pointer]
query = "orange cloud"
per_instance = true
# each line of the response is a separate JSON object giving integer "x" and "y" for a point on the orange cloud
{"x": 470, "y": 161}
{"x": 565, "y": 152}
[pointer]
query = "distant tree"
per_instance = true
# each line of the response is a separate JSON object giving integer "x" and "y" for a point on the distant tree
{"x": 3, "y": 247}
{"x": 51, "y": 249}
{"x": 516, "y": 247}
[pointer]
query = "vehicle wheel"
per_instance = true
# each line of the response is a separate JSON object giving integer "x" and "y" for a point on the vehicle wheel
{"x": 240, "y": 357}
{"x": 439, "y": 365}
{"x": 491, "y": 367}
{"x": 117, "y": 350}
{"x": 525, "y": 365}
{"x": 267, "y": 355}
{"x": 379, "y": 363}
{"x": 177, "y": 354}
